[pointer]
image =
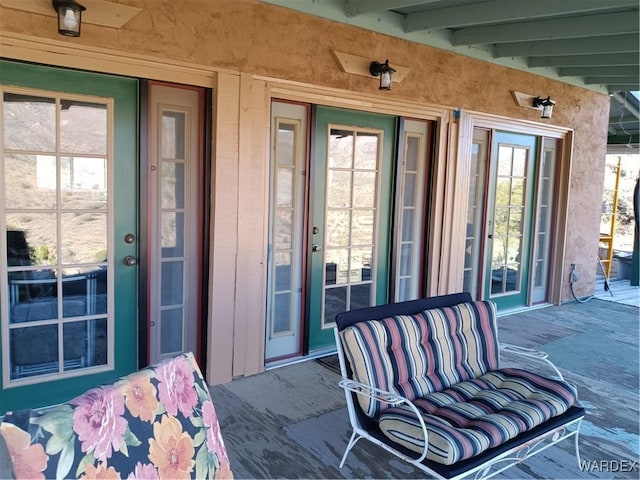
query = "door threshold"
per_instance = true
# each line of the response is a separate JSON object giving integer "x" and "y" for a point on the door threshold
{"x": 325, "y": 352}
{"x": 512, "y": 311}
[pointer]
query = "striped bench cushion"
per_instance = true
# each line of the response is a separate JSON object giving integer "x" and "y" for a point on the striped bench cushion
{"x": 478, "y": 414}
{"x": 415, "y": 355}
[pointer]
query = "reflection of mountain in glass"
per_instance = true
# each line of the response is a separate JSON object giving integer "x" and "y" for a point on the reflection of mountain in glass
{"x": 350, "y": 219}
{"x": 55, "y": 168}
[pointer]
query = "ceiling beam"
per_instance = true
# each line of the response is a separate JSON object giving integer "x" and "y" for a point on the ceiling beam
{"x": 572, "y": 46}
{"x": 604, "y": 79}
{"x": 584, "y": 60}
{"x": 630, "y": 139}
{"x": 496, "y": 11}
{"x": 353, "y": 8}
{"x": 615, "y": 87}
{"x": 591, "y": 25}
{"x": 610, "y": 71}
{"x": 537, "y": 59}
{"x": 629, "y": 122}
{"x": 622, "y": 100}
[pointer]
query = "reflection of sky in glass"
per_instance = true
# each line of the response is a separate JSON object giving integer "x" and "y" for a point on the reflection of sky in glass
{"x": 84, "y": 174}
{"x": 173, "y": 135}
{"x": 76, "y": 173}
{"x": 46, "y": 172}
{"x": 286, "y": 144}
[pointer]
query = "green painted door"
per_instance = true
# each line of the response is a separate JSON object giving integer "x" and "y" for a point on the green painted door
{"x": 68, "y": 274}
{"x": 509, "y": 222}
{"x": 350, "y": 216}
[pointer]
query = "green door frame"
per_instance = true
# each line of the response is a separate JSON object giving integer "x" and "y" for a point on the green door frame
{"x": 520, "y": 297}
{"x": 320, "y": 338}
{"x": 125, "y": 206}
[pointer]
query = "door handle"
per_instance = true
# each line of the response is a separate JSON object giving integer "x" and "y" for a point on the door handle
{"x": 315, "y": 247}
{"x": 129, "y": 261}
{"x": 490, "y": 236}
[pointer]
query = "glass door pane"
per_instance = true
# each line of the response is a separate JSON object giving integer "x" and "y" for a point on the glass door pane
{"x": 172, "y": 233}
{"x": 284, "y": 244}
{"x": 56, "y": 214}
{"x": 506, "y": 258}
{"x": 410, "y": 200}
{"x": 472, "y": 257}
{"x": 544, "y": 204}
{"x": 350, "y": 220}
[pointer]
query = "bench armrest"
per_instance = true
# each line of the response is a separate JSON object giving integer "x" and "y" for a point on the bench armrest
{"x": 393, "y": 400}
{"x": 371, "y": 392}
{"x": 532, "y": 354}
{"x": 523, "y": 351}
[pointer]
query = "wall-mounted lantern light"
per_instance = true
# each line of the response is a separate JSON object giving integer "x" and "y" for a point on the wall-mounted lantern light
{"x": 384, "y": 71}
{"x": 546, "y": 104}
{"x": 69, "y": 17}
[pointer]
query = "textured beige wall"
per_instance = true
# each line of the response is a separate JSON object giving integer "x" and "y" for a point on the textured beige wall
{"x": 247, "y": 37}
{"x": 585, "y": 194}
{"x": 251, "y": 37}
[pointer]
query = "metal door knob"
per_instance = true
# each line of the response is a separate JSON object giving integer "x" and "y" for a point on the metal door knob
{"x": 315, "y": 247}
{"x": 129, "y": 261}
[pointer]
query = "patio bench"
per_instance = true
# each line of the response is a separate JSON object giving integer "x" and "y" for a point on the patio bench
{"x": 423, "y": 380}
{"x": 159, "y": 422}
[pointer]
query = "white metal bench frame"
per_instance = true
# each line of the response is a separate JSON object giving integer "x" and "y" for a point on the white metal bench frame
{"x": 485, "y": 470}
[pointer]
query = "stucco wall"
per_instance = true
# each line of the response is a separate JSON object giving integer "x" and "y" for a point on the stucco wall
{"x": 244, "y": 38}
{"x": 252, "y": 37}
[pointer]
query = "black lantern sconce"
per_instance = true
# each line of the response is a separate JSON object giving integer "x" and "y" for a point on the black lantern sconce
{"x": 69, "y": 17}
{"x": 384, "y": 71}
{"x": 546, "y": 104}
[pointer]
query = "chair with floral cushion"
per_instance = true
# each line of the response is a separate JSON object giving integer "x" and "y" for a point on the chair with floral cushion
{"x": 159, "y": 422}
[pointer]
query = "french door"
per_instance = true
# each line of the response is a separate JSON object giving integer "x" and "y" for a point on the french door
{"x": 329, "y": 248}
{"x": 287, "y": 226}
{"x": 176, "y": 182}
{"x": 68, "y": 259}
{"x": 409, "y": 232}
{"x": 350, "y": 217}
{"x": 510, "y": 219}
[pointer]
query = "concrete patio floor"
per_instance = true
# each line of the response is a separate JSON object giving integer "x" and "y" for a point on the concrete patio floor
{"x": 291, "y": 422}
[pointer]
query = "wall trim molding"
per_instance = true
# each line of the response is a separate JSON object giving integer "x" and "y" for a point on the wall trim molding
{"x": 16, "y": 46}
{"x": 335, "y": 97}
{"x": 481, "y": 119}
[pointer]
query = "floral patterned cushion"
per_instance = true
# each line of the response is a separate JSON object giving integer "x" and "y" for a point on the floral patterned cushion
{"x": 158, "y": 422}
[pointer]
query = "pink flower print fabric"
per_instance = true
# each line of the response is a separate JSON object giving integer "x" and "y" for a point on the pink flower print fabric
{"x": 215, "y": 443}
{"x": 99, "y": 422}
{"x": 156, "y": 423}
{"x": 175, "y": 387}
